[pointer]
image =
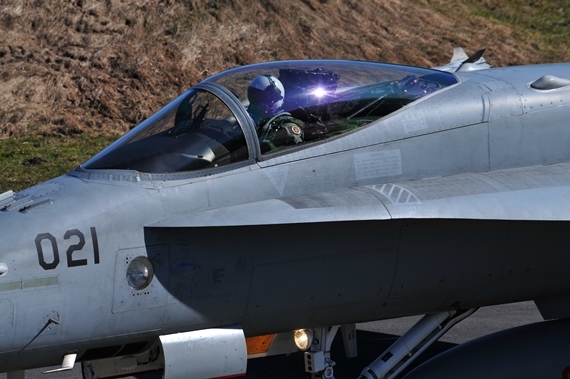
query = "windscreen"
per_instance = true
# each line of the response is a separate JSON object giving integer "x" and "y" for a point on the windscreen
{"x": 195, "y": 131}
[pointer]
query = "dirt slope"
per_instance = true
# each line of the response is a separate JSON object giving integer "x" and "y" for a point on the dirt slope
{"x": 70, "y": 67}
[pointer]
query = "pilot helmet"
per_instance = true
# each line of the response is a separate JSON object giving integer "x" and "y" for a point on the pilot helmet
{"x": 265, "y": 94}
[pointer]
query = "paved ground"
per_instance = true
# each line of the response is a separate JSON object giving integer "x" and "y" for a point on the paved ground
{"x": 373, "y": 338}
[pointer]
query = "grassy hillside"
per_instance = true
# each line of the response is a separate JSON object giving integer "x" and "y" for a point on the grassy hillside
{"x": 97, "y": 68}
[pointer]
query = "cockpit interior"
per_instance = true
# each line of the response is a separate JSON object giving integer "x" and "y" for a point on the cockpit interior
{"x": 211, "y": 125}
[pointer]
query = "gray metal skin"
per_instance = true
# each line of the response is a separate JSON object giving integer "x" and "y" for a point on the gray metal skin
{"x": 465, "y": 204}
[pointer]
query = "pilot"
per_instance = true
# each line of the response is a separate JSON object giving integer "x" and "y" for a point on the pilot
{"x": 275, "y": 127}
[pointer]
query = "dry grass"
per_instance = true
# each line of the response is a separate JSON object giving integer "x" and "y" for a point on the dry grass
{"x": 69, "y": 67}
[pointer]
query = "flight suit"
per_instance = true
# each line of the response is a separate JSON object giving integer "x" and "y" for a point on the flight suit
{"x": 281, "y": 130}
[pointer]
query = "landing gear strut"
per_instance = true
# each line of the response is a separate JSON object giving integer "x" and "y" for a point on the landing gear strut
{"x": 415, "y": 341}
{"x": 429, "y": 329}
{"x": 318, "y": 362}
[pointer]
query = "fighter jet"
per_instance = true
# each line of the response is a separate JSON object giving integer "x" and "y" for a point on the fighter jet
{"x": 273, "y": 205}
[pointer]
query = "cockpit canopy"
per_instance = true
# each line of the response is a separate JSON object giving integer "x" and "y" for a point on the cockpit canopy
{"x": 212, "y": 124}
